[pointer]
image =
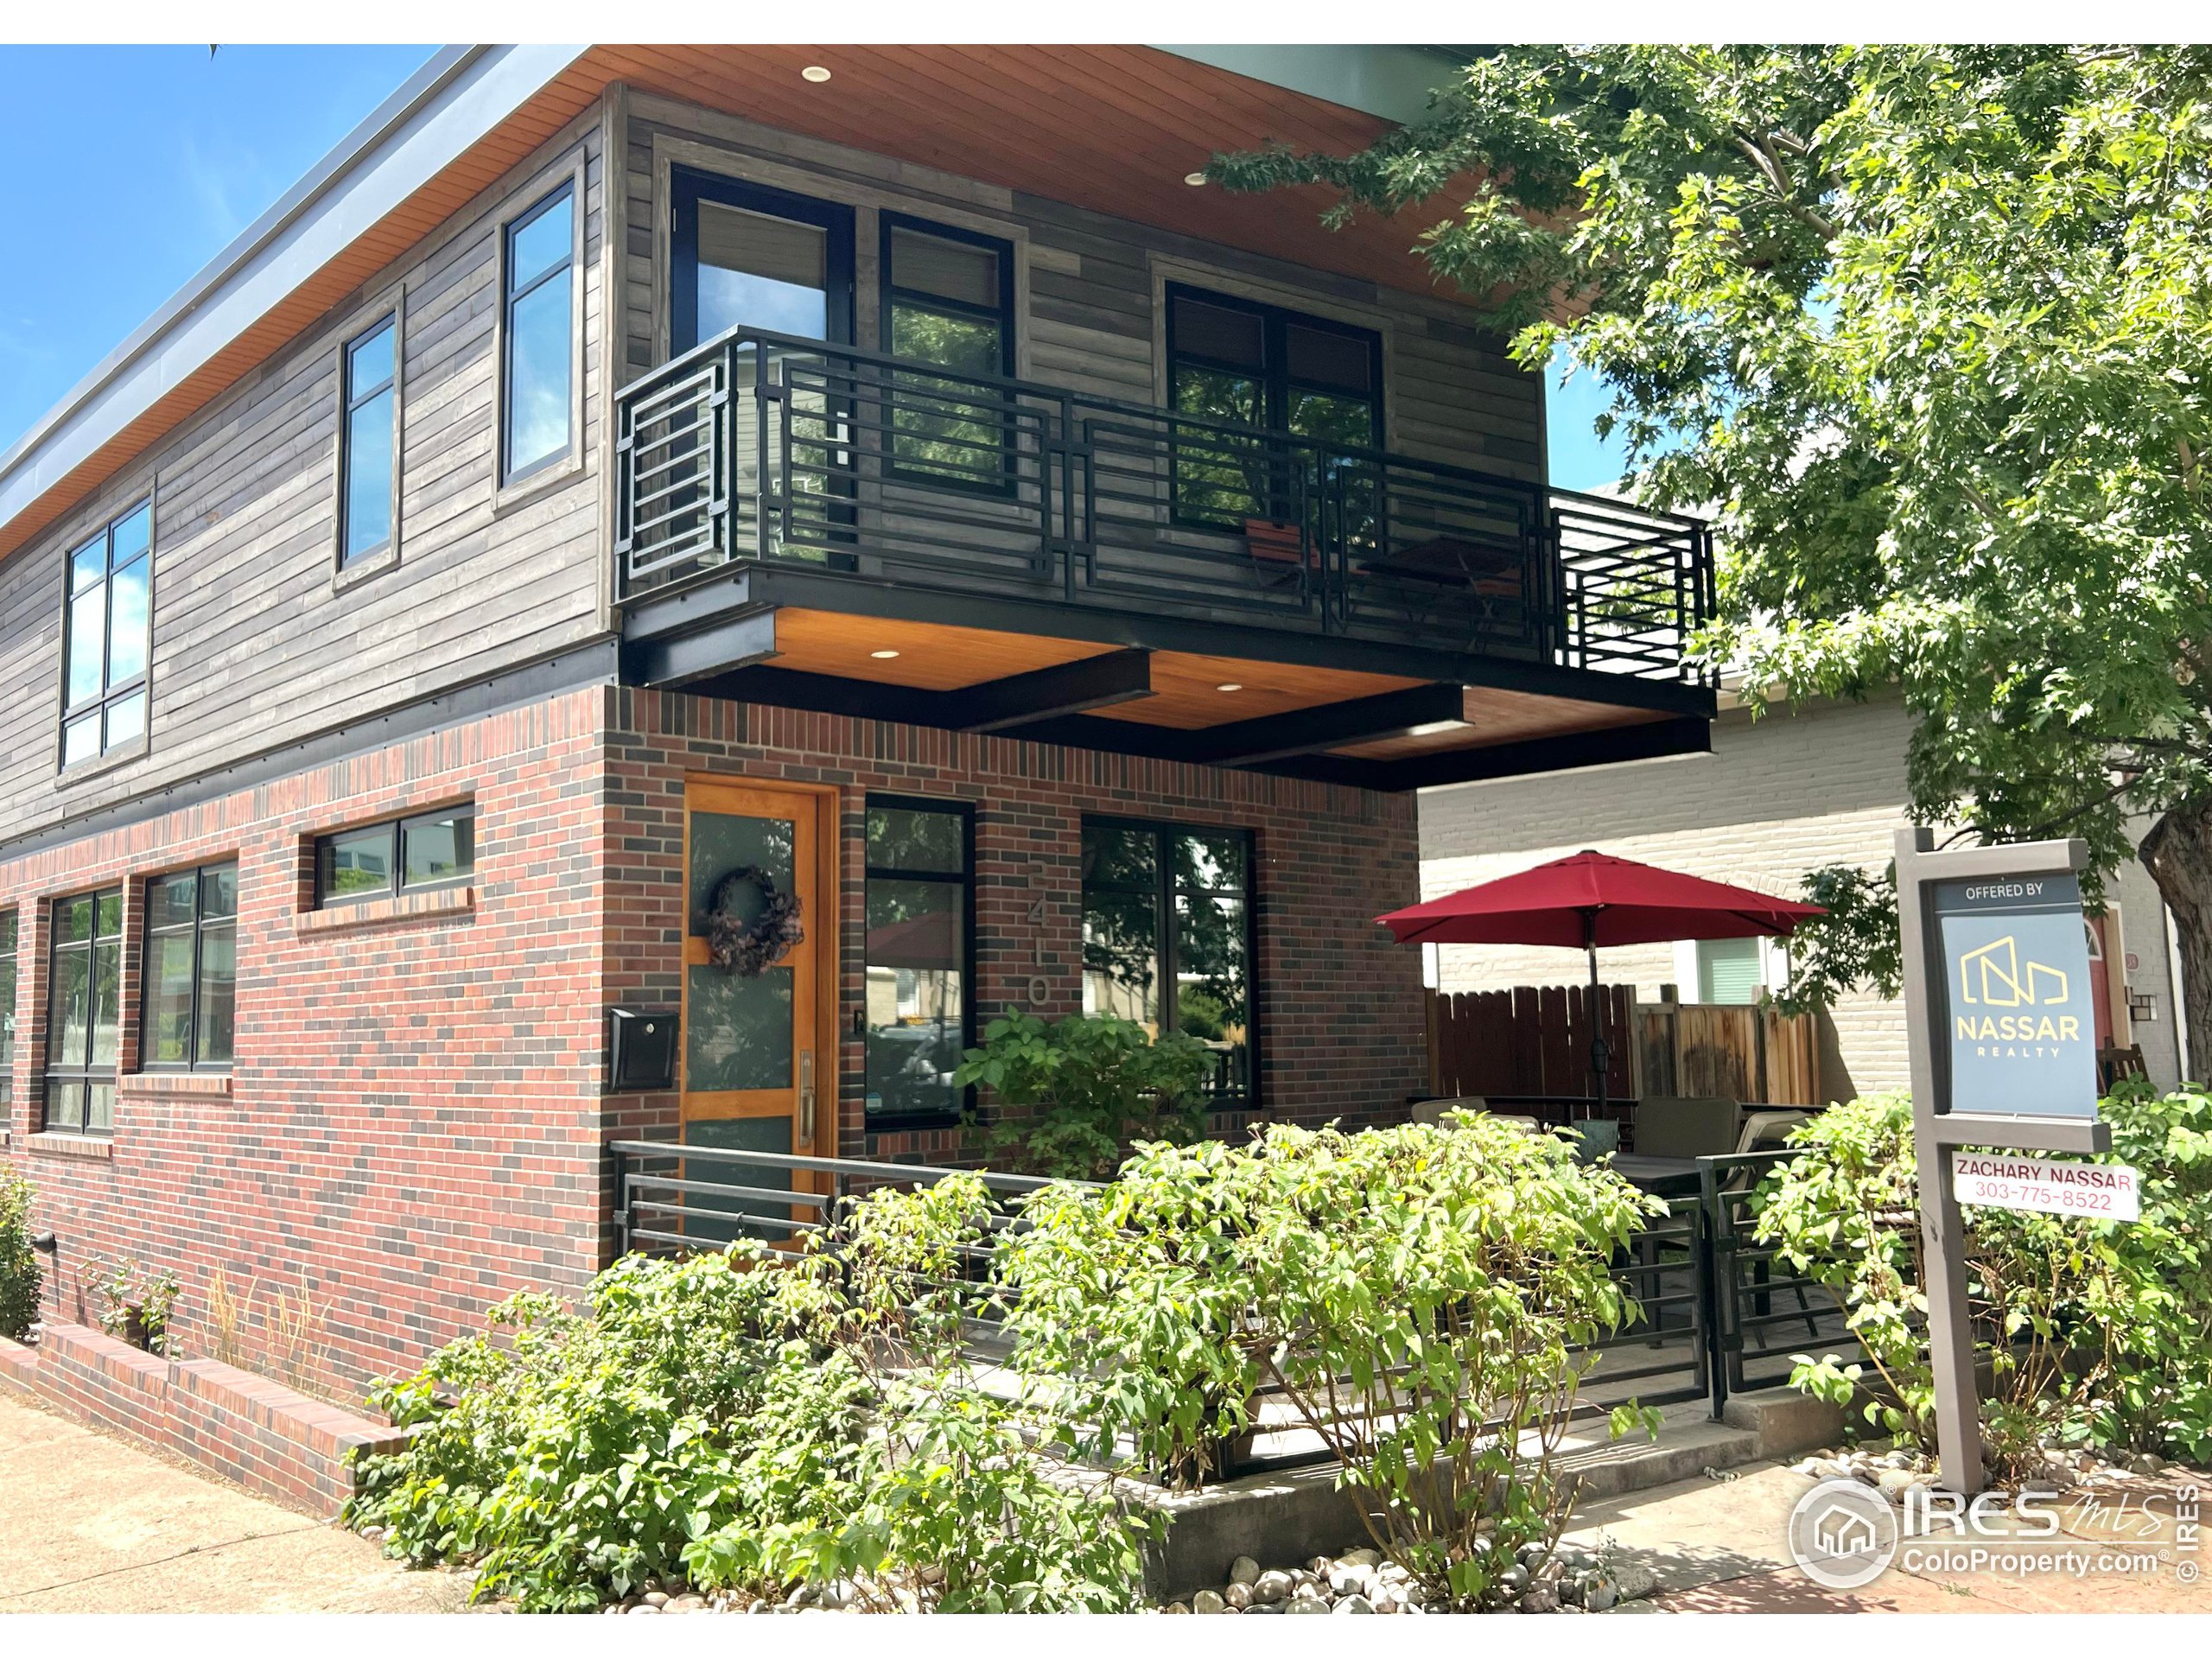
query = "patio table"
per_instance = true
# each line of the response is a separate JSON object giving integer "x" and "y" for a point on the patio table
{"x": 1665, "y": 1178}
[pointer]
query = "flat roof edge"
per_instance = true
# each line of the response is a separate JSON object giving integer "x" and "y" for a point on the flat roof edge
{"x": 458, "y": 96}
{"x": 1393, "y": 82}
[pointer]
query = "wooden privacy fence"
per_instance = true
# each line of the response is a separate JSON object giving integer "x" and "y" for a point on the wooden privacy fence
{"x": 1534, "y": 1039}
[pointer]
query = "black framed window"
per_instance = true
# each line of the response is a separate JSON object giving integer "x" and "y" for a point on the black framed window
{"x": 537, "y": 298}
{"x": 84, "y": 1012}
{"x": 1168, "y": 939}
{"x": 948, "y": 299}
{"x": 921, "y": 950}
{"x": 191, "y": 972}
{"x": 432, "y": 849}
{"x": 106, "y": 637}
{"x": 742, "y": 256}
{"x": 7, "y": 1012}
{"x": 367, "y": 436}
{"x": 1239, "y": 361}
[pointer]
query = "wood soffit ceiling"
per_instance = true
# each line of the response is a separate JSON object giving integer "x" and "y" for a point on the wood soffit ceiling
{"x": 1110, "y": 128}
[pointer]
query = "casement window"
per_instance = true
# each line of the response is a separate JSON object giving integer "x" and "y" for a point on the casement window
{"x": 921, "y": 945}
{"x": 1168, "y": 937}
{"x": 948, "y": 299}
{"x": 538, "y": 333}
{"x": 191, "y": 970}
{"x": 1250, "y": 365}
{"x": 367, "y": 439}
{"x": 84, "y": 1012}
{"x": 106, "y": 637}
{"x": 429, "y": 850}
{"x": 7, "y": 1012}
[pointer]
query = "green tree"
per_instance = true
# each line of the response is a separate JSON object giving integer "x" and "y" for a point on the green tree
{"x": 1930, "y": 328}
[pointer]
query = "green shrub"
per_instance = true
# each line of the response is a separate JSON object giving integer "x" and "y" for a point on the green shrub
{"x": 1412, "y": 1292}
{"x": 1082, "y": 1089}
{"x": 19, "y": 1270}
{"x": 749, "y": 1425}
{"x": 2098, "y": 1332}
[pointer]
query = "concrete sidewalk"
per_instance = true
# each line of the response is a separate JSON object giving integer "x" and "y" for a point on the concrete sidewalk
{"x": 1720, "y": 1546}
{"x": 91, "y": 1523}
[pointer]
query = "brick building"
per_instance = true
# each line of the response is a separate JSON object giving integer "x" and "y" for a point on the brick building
{"x": 581, "y": 508}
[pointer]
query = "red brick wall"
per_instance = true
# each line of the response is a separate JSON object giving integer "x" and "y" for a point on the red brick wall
{"x": 412, "y": 1129}
{"x": 1339, "y": 1007}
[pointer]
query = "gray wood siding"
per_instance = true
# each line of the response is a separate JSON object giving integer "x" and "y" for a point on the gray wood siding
{"x": 254, "y": 645}
{"x": 1090, "y": 322}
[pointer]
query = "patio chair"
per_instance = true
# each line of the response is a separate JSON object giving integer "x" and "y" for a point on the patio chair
{"x": 1767, "y": 1131}
{"x": 1431, "y": 1111}
{"x": 1685, "y": 1126}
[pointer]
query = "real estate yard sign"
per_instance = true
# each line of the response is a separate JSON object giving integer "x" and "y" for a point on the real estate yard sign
{"x": 2004, "y": 1056}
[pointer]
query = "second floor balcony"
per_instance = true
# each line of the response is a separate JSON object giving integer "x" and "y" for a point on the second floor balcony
{"x": 900, "y": 487}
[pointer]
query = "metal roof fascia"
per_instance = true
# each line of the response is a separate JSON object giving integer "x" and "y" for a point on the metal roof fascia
{"x": 456, "y": 98}
{"x": 1393, "y": 82}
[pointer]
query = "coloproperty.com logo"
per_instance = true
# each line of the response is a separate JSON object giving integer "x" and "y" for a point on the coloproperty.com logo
{"x": 1845, "y": 1535}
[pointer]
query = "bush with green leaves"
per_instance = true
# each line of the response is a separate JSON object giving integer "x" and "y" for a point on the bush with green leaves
{"x": 2095, "y": 1332}
{"x": 19, "y": 1270}
{"x": 751, "y": 1425}
{"x": 1077, "y": 1093}
{"x": 1414, "y": 1292}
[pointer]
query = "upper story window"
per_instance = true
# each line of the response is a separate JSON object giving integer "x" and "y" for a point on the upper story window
{"x": 537, "y": 312}
{"x": 84, "y": 1015}
{"x": 1238, "y": 361}
{"x": 432, "y": 849}
{"x": 191, "y": 973}
{"x": 367, "y": 469}
{"x": 106, "y": 637}
{"x": 742, "y": 256}
{"x": 921, "y": 889}
{"x": 1167, "y": 936}
{"x": 7, "y": 1011}
{"x": 948, "y": 299}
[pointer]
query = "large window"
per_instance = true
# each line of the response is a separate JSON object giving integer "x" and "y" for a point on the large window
{"x": 1167, "y": 936}
{"x": 84, "y": 1022}
{"x": 191, "y": 973}
{"x": 367, "y": 468}
{"x": 7, "y": 1012}
{"x": 948, "y": 299}
{"x": 1238, "y": 361}
{"x": 743, "y": 255}
{"x": 106, "y": 639}
{"x": 921, "y": 890}
{"x": 433, "y": 849}
{"x": 537, "y": 299}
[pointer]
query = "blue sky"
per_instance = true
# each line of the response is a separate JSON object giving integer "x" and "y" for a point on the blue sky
{"x": 131, "y": 167}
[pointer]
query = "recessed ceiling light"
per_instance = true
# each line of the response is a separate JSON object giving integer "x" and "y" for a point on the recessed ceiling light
{"x": 1232, "y": 685}
{"x": 1194, "y": 178}
{"x": 1431, "y": 728}
{"x": 815, "y": 72}
{"x": 883, "y": 655}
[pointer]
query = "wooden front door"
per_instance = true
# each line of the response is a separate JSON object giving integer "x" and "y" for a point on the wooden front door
{"x": 760, "y": 1070}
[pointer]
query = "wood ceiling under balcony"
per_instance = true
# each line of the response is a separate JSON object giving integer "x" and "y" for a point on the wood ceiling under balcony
{"x": 1111, "y": 128}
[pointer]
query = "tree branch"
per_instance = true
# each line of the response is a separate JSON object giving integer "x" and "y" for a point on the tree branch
{"x": 1761, "y": 151}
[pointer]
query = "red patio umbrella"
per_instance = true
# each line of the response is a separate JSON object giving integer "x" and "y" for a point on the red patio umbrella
{"x": 1591, "y": 899}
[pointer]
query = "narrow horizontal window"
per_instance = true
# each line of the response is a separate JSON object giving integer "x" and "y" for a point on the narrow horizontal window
{"x": 367, "y": 441}
{"x": 432, "y": 849}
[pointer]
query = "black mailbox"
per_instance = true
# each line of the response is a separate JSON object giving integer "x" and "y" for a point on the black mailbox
{"x": 640, "y": 1049}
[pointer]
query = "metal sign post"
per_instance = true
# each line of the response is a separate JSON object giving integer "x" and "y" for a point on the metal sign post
{"x": 2004, "y": 1054}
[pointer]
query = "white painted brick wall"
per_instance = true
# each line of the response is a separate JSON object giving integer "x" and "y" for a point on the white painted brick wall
{"x": 1778, "y": 796}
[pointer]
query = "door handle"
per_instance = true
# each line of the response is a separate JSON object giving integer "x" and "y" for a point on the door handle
{"x": 806, "y": 1098}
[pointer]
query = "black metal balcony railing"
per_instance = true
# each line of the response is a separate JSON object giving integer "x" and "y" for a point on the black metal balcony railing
{"x": 761, "y": 446}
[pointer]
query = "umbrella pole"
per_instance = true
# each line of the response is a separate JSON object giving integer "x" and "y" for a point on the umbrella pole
{"x": 1600, "y": 1055}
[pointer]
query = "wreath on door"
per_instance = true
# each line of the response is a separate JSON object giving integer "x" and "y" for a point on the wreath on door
{"x": 750, "y": 945}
